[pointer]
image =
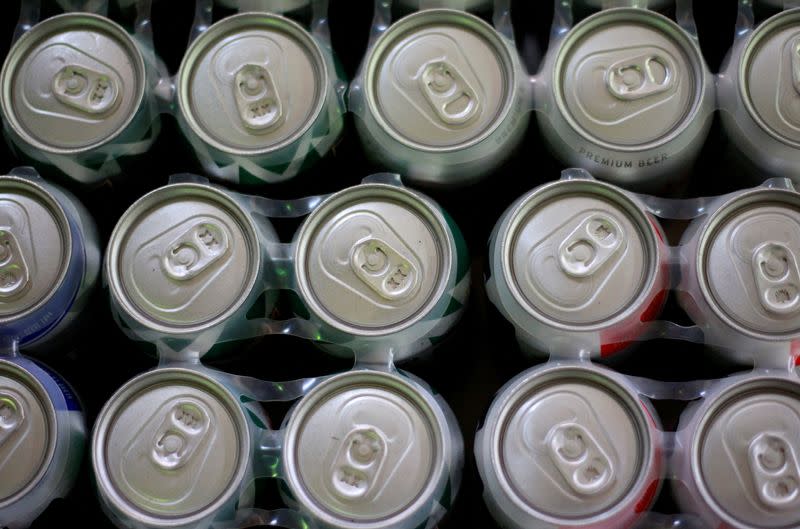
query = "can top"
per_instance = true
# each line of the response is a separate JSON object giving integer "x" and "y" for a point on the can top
{"x": 579, "y": 254}
{"x": 570, "y": 443}
{"x": 746, "y": 454}
{"x": 628, "y": 78}
{"x": 374, "y": 259}
{"x": 35, "y": 246}
{"x": 72, "y": 83}
{"x": 748, "y": 257}
{"x": 27, "y": 432}
{"x": 772, "y": 53}
{"x": 252, "y": 83}
{"x": 440, "y": 80}
{"x": 171, "y": 444}
{"x": 183, "y": 258}
{"x": 381, "y": 457}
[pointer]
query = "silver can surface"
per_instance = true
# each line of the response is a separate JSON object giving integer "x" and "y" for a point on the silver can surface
{"x": 569, "y": 445}
{"x": 390, "y": 457}
{"x": 42, "y": 436}
{"x": 737, "y": 463}
{"x": 381, "y": 264}
{"x": 272, "y": 6}
{"x": 443, "y": 98}
{"x": 627, "y": 95}
{"x": 577, "y": 266}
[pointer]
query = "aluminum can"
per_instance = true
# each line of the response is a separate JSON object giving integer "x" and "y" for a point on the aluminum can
{"x": 174, "y": 448}
{"x": 390, "y": 458}
{"x": 74, "y": 87}
{"x": 446, "y": 98}
{"x": 273, "y": 6}
{"x": 736, "y": 461}
{"x": 740, "y": 279}
{"x": 381, "y": 266}
{"x": 578, "y": 266}
{"x": 49, "y": 259}
{"x": 42, "y": 437}
{"x": 569, "y": 446}
{"x": 256, "y": 91}
{"x": 627, "y": 95}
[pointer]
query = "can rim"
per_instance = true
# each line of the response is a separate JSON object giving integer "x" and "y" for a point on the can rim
{"x": 421, "y": 398}
{"x": 19, "y": 49}
{"x": 643, "y": 16}
{"x": 143, "y": 382}
{"x": 462, "y": 19}
{"x": 731, "y": 207}
{"x": 49, "y": 201}
{"x": 552, "y": 191}
{"x": 152, "y": 200}
{"x": 27, "y": 378}
{"x": 421, "y": 205}
{"x": 219, "y": 29}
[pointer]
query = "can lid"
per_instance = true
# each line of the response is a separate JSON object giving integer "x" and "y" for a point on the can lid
{"x": 72, "y": 83}
{"x": 252, "y": 83}
{"x": 628, "y": 77}
{"x": 183, "y": 257}
{"x": 748, "y": 454}
{"x": 380, "y": 456}
{"x": 171, "y": 443}
{"x": 773, "y": 52}
{"x": 374, "y": 259}
{"x": 440, "y": 79}
{"x": 748, "y": 257}
{"x": 580, "y": 253}
{"x": 35, "y": 246}
{"x": 27, "y": 432}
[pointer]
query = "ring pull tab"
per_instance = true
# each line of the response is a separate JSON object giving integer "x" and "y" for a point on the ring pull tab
{"x": 358, "y": 463}
{"x": 14, "y": 274}
{"x": 259, "y": 104}
{"x": 180, "y": 434}
{"x": 85, "y": 90}
{"x": 776, "y": 475}
{"x": 195, "y": 250}
{"x": 596, "y": 239}
{"x": 777, "y": 278}
{"x": 12, "y": 415}
{"x": 794, "y": 50}
{"x": 641, "y": 76}
{"x": 383, "y": 269}
{"x": 579, "y": 459}
{"x": 451, "y": 97}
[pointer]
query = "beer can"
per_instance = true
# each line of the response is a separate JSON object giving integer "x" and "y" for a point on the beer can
{"x": 390, "y": 456}
{"x": 42, "y": 437}
{"x": 381, "y": 266}
{"x": 627, "y": 95}
{"x": 736, "y": 461}
{"x": 174, "y": 448}
{"x": 74, "y": 87}
{"x": 256, "y": 95}
{"x": 49, "y": 259}
{"x": 740, "y": 281}
{"x": 578, "y": 265}
{"x": 445, "y": 98}
{"x": 569, "y": 446}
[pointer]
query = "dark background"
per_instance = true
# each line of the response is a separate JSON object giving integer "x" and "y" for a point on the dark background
{"x": 481, "y": 353}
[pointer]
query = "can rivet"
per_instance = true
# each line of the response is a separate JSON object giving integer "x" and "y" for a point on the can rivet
{"x": 777, "y": 277}
{"x": 574, "y": 446}
{"x": 11, "y": 415}
{"x": 641, "y": 76}
{"x": 452, "y": 98}
{"x": 257, "y": 99}
{"x": 773, "y": 466}
{"x": 383, "y": 269}
{"x": 579, "y": 458}
{"x": 195, "y": 250}
{"x": 180, "y": 434}
{"x": 14, "y": 276}
{"x": 590, "y": 245}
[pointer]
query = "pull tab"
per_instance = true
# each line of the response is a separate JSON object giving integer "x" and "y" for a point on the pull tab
{"x": 383, "y": 269}
{"x": 84, "y": 89}
{"x": 641, "y": 76}
{"x": 259, "y": 105}
{"x": 358, "y": 462}
{"x": 580, "y": 460}
{"x": 774, "y": 468}
{"x": 14, "y": 275}
{"x": 12, "y": 415}
{"x": 195, "y": 250}
{"x": 777, "y": 278}
{"x": 452, "y": 98}
{"x": 794, "y": 50}
{"x": 180, "y": 433}
{"x": 596, "y": 239}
